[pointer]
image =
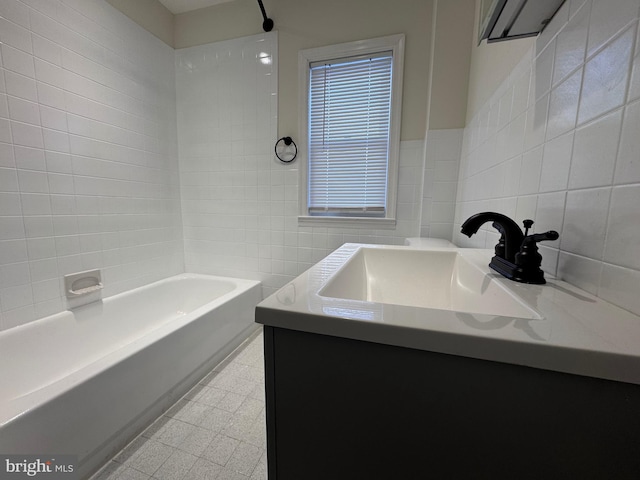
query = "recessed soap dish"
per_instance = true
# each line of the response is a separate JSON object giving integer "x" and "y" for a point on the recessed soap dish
{"x": 82, "y": 283}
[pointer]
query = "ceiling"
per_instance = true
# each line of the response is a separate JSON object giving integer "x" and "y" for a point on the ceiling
{"x": 181, "y": 6}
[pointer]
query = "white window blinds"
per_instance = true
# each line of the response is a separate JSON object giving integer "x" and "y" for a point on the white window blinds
{"x": 349, "y": 123}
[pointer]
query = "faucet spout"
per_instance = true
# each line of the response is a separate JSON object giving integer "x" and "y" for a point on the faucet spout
{"x": 513, "y": 236}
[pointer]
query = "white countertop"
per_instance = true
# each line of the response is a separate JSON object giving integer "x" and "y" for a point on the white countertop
{"x": 577, "y": 332}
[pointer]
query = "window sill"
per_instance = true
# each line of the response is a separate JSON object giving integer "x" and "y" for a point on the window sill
{"x": 347, "y": 222}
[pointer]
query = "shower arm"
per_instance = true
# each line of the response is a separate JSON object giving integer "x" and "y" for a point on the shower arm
{"x": 267, "y": 24}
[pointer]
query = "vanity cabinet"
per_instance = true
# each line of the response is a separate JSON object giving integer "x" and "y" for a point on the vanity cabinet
{"x": 348, "y": 409}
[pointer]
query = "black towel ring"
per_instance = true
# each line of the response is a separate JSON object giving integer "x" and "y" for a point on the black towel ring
{"x": 287, "y": 141}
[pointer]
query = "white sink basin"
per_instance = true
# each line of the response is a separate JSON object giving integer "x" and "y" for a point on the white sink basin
{"x": 440, "y": 279}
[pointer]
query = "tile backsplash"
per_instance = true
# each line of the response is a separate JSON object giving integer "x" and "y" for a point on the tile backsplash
{"x": 559, "y": 142}
{"x": 442, "y": 162}
{"x": 88, "y": 154}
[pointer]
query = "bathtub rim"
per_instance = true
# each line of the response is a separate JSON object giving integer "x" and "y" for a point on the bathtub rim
{"x": 15, "y": 408}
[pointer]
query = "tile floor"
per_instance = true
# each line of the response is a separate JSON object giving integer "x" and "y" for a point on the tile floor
{"x": 215, "y": 432}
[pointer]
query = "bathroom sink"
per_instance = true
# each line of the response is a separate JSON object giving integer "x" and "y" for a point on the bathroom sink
{"x": 439, "y": 279}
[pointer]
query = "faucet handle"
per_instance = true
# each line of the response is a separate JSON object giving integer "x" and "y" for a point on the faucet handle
{"x": 540, "y": 237}
{"x": 529, "y": 260}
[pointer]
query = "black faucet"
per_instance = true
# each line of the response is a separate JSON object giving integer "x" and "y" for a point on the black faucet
{"x": 516, "y": 254}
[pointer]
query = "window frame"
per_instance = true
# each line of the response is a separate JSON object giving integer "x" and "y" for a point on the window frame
{"x": 394, "y": 43}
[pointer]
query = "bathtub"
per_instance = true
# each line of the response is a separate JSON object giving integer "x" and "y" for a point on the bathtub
{"x": 84, "y": 382}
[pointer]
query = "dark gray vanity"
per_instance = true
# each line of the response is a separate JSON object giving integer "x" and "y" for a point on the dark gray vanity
{"x": 347, "y": 409}
{"x": 363, "y": 389}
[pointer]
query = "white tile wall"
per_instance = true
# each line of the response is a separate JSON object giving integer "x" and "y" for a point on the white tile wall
{"x": 443, "y": 149}
{"x": 88, "y": 154}
{"x": 578, "y": 168}
{"x": 239, "y": 203}
{"x": 89, "y": 174}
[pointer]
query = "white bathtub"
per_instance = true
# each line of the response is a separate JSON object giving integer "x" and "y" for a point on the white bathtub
{"x": 84, "y": 382}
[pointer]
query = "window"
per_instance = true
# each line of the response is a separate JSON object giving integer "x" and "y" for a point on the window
{"x": 352, "y": 97}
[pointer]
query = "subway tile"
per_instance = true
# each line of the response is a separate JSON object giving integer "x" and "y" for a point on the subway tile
{"x": 605, "y": 78}
{"x": 556, "y": 163}
{"x": 27, "y": 135}
{"x": 607, "y": 19}
{"x": 580, "y": 271}
{"x": 444, "y": 191}
{"x": 53, "y": 118}
{"x": 5, "y": 131}
{"x": 41, "y": 249}
{"x": 61, "y": 184}
{"x": 33, "y": 181}
{"x": 585, "y": 222}
{"x": 8, "y": 180}
{"x": 15, "y": 11}
{"x": 38, "y": 226}
{"x": 443, "y": 212}
{"x": 20, "y": 86}
{"x": 628, "y": 163}
{"x": 550, "y": 214}
{"x": 516, "y": 136}
{"x": 14, "y": 274}
{"x": 15, "y": 35}
{"x": 4, "y": 106}
{"x": 55, "y": 140}
{"x": 505, "y": 103}
{"x": 542, "y": 71}
{"x": 50, "y": 96}
{"x": 46, "y": 7}
{"x": 526, "y": 207}
{"x": 16, "y": 297}
{"x": 58, "y": 162}
{"x": 512, "y": 171}
{"x": 65, "y": 225}
{"x": 623, "y": 229}
{"x": 520, "y": 95}
{"x": 24, "y": 111}
{"x": 549, "y": 259}
{"x": 594, "y": 152}
{"x": 46, "y": 50}
{"x": 35, "y": 203}
{"x": 634, "y": 85}
{"x": 12, "y": 251}
{"x": 67, "y": 245}
{"x": 10, "y": 204}
{"x": 29, "y": 158}
{"x": 563, "y": 106}
{"x": 17, "y": 61}
{"x": 47, "y": 307}
{"x": 50, "y": 74}
{"x": 620, "y": 286}
{"x": 570, "y": 45}
{"x": 18, "y": 316}
{"x": 576, "y": 5}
